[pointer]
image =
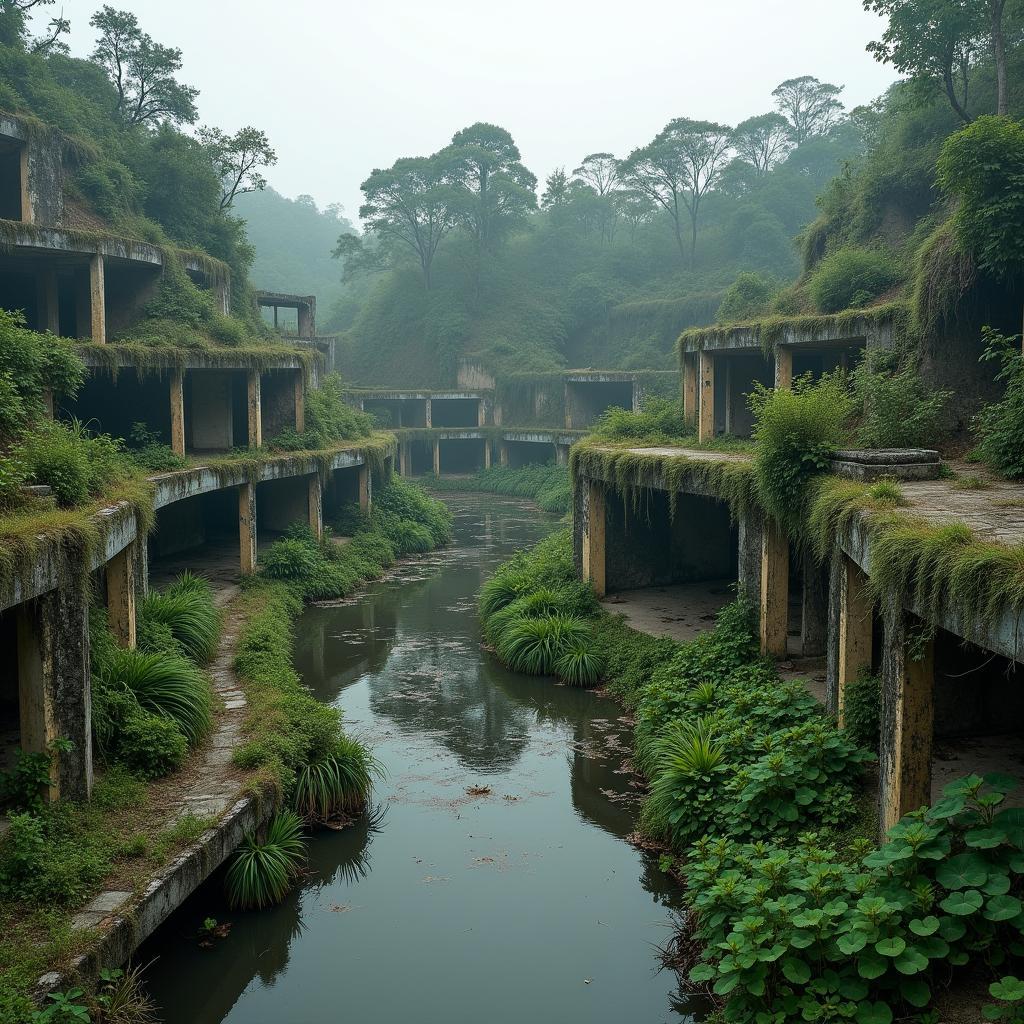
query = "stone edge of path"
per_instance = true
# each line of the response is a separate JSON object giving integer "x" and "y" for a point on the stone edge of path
{"x": 124, "y": 921}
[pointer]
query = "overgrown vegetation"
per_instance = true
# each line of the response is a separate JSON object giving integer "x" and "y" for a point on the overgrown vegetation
{"x": 547, "y": 485}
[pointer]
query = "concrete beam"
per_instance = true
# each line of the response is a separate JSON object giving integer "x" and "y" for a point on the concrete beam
{"x": 247, "y": 527}
{"x": 706, "y": 418}
{"x": 855, "y": 629}
{"x": 774, "y": 610}
{"x": 594, "y": 538}
{"x": 783, "y": 367}
{"x": 908, "y": 719}
{"x": 254, "y": 405}
{"x": 177, "y": 395}
{"x": 121, "y": 574}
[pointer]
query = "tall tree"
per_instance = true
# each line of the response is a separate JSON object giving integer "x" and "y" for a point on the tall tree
{"x": 812, "y": 108}
{"x": 996, "y": 9}
{"x": 600, "y": 171}
{"x": 238, "y": 160}
{"x": 762, "y": 141}
{"x": 496, "y": 189}
{"x": 14, "y": 18}
{"x": 556, "y": 189}
{"x": 412, "y": 205}
{"x": 931, "y": 41}
{"x": 143, "y": 71}
{"x": 678, "y": 169}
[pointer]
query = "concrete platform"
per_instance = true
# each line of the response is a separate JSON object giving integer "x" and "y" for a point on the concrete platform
{"x": 680, "y": 612}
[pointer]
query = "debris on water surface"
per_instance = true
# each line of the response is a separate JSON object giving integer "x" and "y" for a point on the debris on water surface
{"x": 478, "y": 790}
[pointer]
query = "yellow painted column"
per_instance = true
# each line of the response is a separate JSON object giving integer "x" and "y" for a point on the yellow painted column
{"x": 437, "y": 457}
{"x": 594, "y": 539}
{"x": 300, "y": 401}
{"x": 690, "y": 390}
{"x": 255, "y": 403}
{"x": 27, "y": 213}
{"x": 774, "y": 610}
{"x": 487, "y": 454}
{"x": 247, "y": 527}
{"x": 783, "y": 367}
{"x": 855, "y": 622}
{"x": 907, "y": 773}
{"x": 503, "y": 454}
{"x": 403, "y": 455}
{"x": 316, "y": 506}
{"x": 120, "y": 572}
{"x": 97, "y": 300}
{"x": 365, "y": 489}
{"x": 706, "y": 418}
{"x": 481, "y": 416}
{"x": 178, "y": 412}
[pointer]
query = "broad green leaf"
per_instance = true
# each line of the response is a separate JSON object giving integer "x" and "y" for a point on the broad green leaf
{"x": 964, "y": 871}
{"x": 911, "y": 961}
{"x": 916, "y": 991}
{"x": 985, "y": 838}
{"x": 796, "y": 971}
{"x": 962, "y": 903}
{"x": 873, "y": 1013}
{"x": 924, "y": 926}
{"x": 892, "y": 946}
{"x": 852, "y": 942}
{"x": 870, "y": 966}
{"x": 1002, "y": 908}
{"x": 1009, "y": 989}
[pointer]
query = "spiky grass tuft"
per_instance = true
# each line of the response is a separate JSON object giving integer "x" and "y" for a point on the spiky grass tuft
{"x": 534, "y": 646}
{"x": 261, "y": 873}
{"x": 186, "y": 607}
{"x": 338, "y": 783}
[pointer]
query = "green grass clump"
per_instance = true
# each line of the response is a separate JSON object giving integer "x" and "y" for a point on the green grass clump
{"x": 262, "y": 872}
{"x": 852, "y": 277}
{"x": 186, "y": 608}
{"x": 407, "y": 516}
{"x": 535, "y": 645}
{"x": 337, "y": 783}
{"x": 547, "y": 485}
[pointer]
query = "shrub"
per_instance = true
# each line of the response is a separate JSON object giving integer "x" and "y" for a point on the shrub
{"x": 329, "y": 419}
{"x": 337, "y": 783}
{"x": 187, "y": 609}
{"x": 896, "y": 409}
{"x": 796, "y": 431}
{"x": 852, "y": 277}
{"x": 150, "y": 744}
{"x": 659, "y": 420}
{"x": 862, "y": 710}
{"x": 548, "y": 485}
{"x": 261, "y": 873}
{"x": 534, "y": 645}
{"x": 150, "y": 453}
{"x": 402, "y": 502}
{"x": 1000, "y": 426}
{"x": 580, "y": 665}
{"x": 748, "y": 297}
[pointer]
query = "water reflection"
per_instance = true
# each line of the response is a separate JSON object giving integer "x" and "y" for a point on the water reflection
{"x": 493, "y": 880}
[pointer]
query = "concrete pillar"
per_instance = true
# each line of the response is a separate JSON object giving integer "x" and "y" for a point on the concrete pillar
{"x": 27, "y": 213}
{"x": 502, "y": 454}
{"x": 316, "y": 506}
{"x": 730, "y": 418}
{"x": 300, "y": 401}
{"x": 97, "y": 300}
{"x": 774, "y": 611}
{"x": 365, "y": 489}
{"x": 908, "y": 717}
{"x": 569, "y": 419}
{"x": 437, "y": 457}
{"x": 429, "y": 412}
{"x": 594, "y": 538}
{"x": 561, "y": 455}
{"x": 306, "y": 322}
{"x": 49, "y": 302}
{"x": 783, "y": 367}
{"x": 854, "y": 629}
{"x": 121, "y": 590}
{"x": 178, "y": 411}
{"x": 706, "y": 418}
{"x": 247, "y": 527}
{"x": 255, "y": 410}
{"x": 814, "y": 617}
{"x": 690, "y": 391}
{"x": 54, "y": 694}
{"x": 48, "y": 403}
{"x": 481, "y": 413}
{"x": 750, "y": 527}
{"x": 142, "y": 571}
{"x": 487, "y": 454}
{"x": 403, "y": 456}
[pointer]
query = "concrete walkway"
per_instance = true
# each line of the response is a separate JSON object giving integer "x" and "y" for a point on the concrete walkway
{"x": 680, "y": 612}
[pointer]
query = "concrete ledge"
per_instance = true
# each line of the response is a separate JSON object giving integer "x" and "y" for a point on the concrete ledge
{"x": 420, "y": 395}
{"x": 123, "y": 925}
{"x": 564, "y": 437}
{"x": 897, "y": 463}
{"x": 124, "y": 358}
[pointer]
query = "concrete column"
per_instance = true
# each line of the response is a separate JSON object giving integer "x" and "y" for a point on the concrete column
{"x": 730, "y": 418}
{"x": 855, "y": 629}
{"x": 568, "y": 407}
{"x": 27, "y": 213}
{"x": 121, "y": 588}
{"x": 481, "y": 413}
{"x": 430, "y": 412}
{"x": 690, "y": 391}
{"x": 365, "y": 489}
{"x": 54, "y": 694}
{"x": 142, "y": 572}
{"x": 594, "y": 538}
{"x": 300, "y": 401}
{"x": 908, "y": 717}
{"x": 255, "y": 410}
{"x": 561, "y": 455}
{"x": 750, "y": 528}
{"x": 437, "y": 457}
{"x": 814, "y": 617}
{"x": 97, "y": 300}
{"x": 48, "y": 403}
{"x": 247, "y": 527}
{"x": 316, "y": 506}
{"x": 178, "y": 411}
{"x": 403, "y": 456}
{"x": 305, "y": 318}
{"x": 774, "y": 611}
{"x": 783, "y": 367}
{"x": 706, "y": 418}
{"x": 487, "y": 454}
{"x": 502, "y": 454}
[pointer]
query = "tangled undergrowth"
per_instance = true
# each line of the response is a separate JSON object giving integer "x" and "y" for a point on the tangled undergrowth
{"x": 546, "y": 485}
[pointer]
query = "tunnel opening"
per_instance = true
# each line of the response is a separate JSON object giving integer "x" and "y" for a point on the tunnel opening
{"x": 200, "y": 535}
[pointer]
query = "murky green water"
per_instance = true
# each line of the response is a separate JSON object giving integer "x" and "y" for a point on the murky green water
{"x": 522, "y": 903}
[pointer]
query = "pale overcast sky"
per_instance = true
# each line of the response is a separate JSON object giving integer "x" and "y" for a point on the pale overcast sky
{"x": 344, "y": 87}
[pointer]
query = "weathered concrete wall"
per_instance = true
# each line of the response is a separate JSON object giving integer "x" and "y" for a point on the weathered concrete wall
{"x": 473, "y": 376}
{"x": 586, "y": 401}
{"x": 211, "y": 410}
{"x": 277, "y": 400}
{"x": 282, "y": 504}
